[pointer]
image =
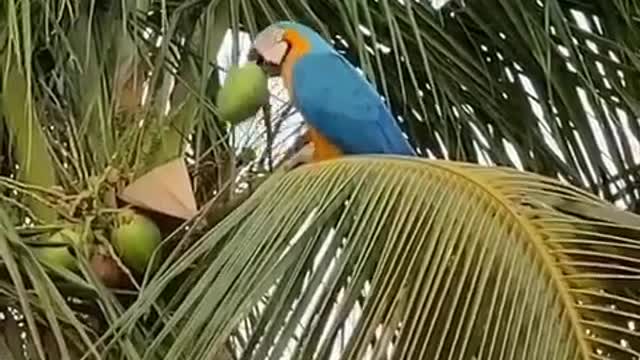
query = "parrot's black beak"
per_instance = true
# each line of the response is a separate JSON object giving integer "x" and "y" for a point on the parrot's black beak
{"x": 270, "y": 69}
{"x": 253, "y": 55}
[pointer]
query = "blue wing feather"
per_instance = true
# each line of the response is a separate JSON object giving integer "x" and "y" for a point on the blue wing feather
{"x": 341, "y": 105}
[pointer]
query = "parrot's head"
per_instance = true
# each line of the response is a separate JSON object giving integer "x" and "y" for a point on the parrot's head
{"x": 277, "y": 42}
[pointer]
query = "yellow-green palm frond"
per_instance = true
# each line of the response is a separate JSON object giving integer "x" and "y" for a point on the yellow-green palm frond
{"x": 411, "y": 258}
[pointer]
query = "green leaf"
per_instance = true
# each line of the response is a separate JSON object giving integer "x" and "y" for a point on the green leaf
{"x": 30, "y": 144}
{"x": 448, "y": 260}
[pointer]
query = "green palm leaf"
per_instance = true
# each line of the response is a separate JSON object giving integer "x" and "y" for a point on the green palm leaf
{"x": 421, "y": 259}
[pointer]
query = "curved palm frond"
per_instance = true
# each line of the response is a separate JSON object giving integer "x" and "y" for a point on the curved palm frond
{"x": 408, "y": 258}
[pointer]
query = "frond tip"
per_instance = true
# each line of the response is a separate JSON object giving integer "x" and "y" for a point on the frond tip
{"x": 409, "y": 259}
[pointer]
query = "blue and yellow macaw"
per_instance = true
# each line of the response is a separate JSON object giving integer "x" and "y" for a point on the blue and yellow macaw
{"x": 343, "y": 112}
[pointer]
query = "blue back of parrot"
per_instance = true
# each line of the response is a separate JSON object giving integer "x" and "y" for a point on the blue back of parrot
{"x": 339, "y": 102}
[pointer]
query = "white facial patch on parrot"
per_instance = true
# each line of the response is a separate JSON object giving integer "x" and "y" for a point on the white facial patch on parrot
{"x": 271, "y": 46}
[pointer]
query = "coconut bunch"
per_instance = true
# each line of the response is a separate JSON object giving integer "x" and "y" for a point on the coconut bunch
{"x": 89, "y": 195}
{"x": 117, "y": 220}
{"x": 133, "y": 236}
{"x": 111, "y": 220}
{"x": 116, "y": 238}
{"x": 69, "y": 213}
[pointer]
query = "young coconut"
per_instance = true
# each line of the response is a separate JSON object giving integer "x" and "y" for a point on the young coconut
{"x": 57, "y": 254}
{"x": 245, "y": 90}
{"x": 135, "y": 237}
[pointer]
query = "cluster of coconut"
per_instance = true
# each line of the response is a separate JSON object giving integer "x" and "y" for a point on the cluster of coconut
{"x": 165, "y": 190}
{"x": 133, "y": 236}
{"x": 121, "y": 247}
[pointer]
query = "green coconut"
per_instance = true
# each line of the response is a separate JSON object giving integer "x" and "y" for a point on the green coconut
{"x": 135, "y": 237}
{"x": 245, "y": 90}
{"x": 57, "y": 254}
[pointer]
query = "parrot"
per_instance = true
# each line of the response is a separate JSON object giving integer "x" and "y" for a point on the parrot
{"x": 343, "y": 112}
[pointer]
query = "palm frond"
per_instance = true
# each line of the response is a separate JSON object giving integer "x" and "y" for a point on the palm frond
{"x": 409, "y": 258}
